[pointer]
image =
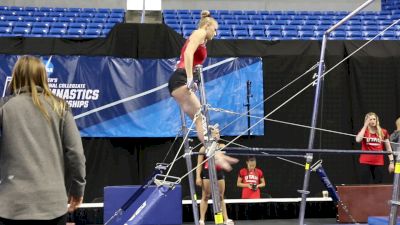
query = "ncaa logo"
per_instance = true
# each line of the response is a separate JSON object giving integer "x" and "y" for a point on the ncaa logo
{"x": 48, "y": 65}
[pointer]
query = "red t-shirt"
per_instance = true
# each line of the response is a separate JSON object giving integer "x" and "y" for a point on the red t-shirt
{"x": 198, "y": 58}
{"x": 372, "y": 142}
{"x": 251, "y": 177}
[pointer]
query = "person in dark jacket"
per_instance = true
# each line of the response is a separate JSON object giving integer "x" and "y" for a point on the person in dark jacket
{"x": 40, "y": 148}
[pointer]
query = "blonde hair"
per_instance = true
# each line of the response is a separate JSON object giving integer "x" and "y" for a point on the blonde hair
{"x": 398, "y": 123}
{"x": 206, "y": 18}
{"x": 29, "y": 72}
{"x": 378, "y": 126}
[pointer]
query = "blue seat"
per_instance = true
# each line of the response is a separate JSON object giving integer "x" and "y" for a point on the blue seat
{"x": 99, "y": 20}
{"x": 370, "y": 28}
{"x": 5, "y": 30}
{"x": 385, "y": 22}
{"x": 227, "y": 17}
{"x": 166, "y": 21}
{"x": 90, "y": 31}
{"x": 305, "y": 34}
{"x": 182, "y": 21}
{"x": 310, "y": 22}
{"x": 224, "y": 33}
{"x": 101, "y": 15}
{"x": 41, "y": 14}
{"x": 256, "y": 27}
{"x": 246, "y": 22}
{"x": 257, "y": 33}
{"x": 104, "y": 10}
{"x": 241, "y": 17}
{"x": 273, "y": 27}
{"x": 173, "y": 26}
{"x": 8, "y": 13}
{"x": 318, "y": 33}
{"x": 117, "y": 15}
{"x": 224, "y": 27}
{"x": 354, "y": 27}
{"x": 30, "y": 8}
{"x": 338, "y": 34}
{"x": 95, "y": 25}
{"x": 16, "y": 8}
{"x": 82, "y": 20}
{"x": 290, "y": 27}
{"x": 66, "y": 19}
{"x": 296, "y": 22}
{"x": 325, "y": 22}
{"x": 14, "y": 18}
{"x": 75, "y": 31}
{"x": 273, "y": 33}
{"x": 264, "y": 22}
{"x": 4, "y": 8}
{"x": 255, "y": 17}
{"x": 57, "y": 31}
{"x": 59, "y": 24}
{"x": 74, "y": 10}
{"x": 40, "y": 31}
{"x": 86, "y": 14}
{"x": 32, "y": 19}
{"x": 189, "y": 27}
{"x": 354, "y": 34}
{"x": 240, "y": 33}
{"x": 239, "y": 27}
{"x": 186, "y": 33}
{"x": 77, "y": 25}
{"x": 71, "y": 14}
{"x": 269, "y": 17}
{"x": 46, "y": 9}
{"x": 281, "y": 22}
{"x": 56, "y": 14}
{"x": 89, "y": 10}
{"x": 105, "y": 32}
{"x": 118, "y": 10}
{"x": 22, "y": 24}
{"x": 41, "y": 25}
{"x": 60, "y": 9}
{"x": 283, "y": 17}
{"x": 21, "y": 31}
{"x": 25, "y": 13}
{"x": 6, "y": 23}
{"x": 305, "y": 28}
{"x": 289, "y": 33}
{"x": 182, "y": 17}
{"x": 236, "y": 12}
{"x": 165, "y": 11}
{"x": 389, "y": 33}
{"x": 49, "y": 19}
{"x": 369, "y": 34}
{"x": 231, "y": 22}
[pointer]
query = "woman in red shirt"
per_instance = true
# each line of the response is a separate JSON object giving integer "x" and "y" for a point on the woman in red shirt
{"x": 251, "y": 179}
{"x": 373, "y": 138}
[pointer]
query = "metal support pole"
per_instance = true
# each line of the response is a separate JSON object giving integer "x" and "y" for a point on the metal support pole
{"x": 143, "y": 12}
{"x": 208, "y": 140}
{"x": 249, "y": 95}
{"x": 304, "y": 192}
{"x": 189, "y": 168}
{"x": 395, "y": 194}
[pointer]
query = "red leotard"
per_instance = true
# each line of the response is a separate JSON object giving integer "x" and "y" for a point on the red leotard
{"x": 198, "y": 58}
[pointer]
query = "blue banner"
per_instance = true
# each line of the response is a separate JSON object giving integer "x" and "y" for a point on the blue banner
{"x": 121, "y": 97}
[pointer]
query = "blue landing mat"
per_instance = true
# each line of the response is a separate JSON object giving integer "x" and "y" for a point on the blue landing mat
{"x": 380, "y": 220}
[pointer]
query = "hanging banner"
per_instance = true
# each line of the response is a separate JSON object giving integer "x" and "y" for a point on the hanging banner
{"x": 120, "y": 97}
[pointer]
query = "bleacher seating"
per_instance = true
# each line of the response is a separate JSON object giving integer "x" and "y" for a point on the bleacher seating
{"x": 288, "y": 25}
{"x": 58, "y": 22}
